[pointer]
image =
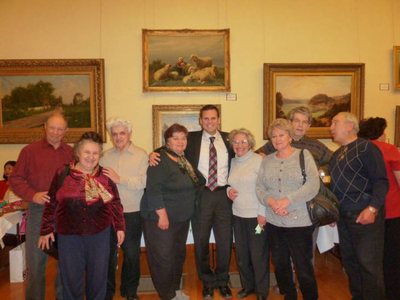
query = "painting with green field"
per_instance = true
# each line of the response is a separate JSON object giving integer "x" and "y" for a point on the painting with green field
{"x": 27, "y": 101}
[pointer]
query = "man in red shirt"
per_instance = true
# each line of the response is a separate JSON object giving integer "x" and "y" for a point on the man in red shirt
{"x": 30, "y": 180}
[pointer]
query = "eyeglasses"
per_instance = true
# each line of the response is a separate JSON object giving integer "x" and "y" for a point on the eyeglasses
{"x": 240, "y": 142}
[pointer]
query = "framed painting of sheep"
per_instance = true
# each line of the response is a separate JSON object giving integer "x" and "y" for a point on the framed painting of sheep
{"x": 32, "y": 90}
{"x": 186, "y": 60}
{"x": 326, "y": 89}
{"x": 166, "y": 115}
{"x": 396, "y": 68}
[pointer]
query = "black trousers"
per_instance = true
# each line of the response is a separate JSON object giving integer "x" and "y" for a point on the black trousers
{"x": 166, "y": 254}
{"x": 130, "y": 274}
{"x": 361, "y": 247}
{"x": 214, "y": 211}
{"x": 391, "y": 259}
{"x": 252, "y": 255}
{"x": 295, "y": 243}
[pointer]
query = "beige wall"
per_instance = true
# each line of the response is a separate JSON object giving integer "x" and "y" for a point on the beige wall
{"x": 308, "y": 31}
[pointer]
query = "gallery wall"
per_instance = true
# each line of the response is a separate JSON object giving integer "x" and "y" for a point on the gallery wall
{"x": 274, "y": 31}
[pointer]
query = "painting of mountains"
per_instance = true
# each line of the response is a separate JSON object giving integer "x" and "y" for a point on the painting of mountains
{"x": 324, "y": 95}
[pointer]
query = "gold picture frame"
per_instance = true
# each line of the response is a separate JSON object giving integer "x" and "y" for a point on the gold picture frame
{"x": 396, "y": 67}
{"x": 397, "y": 128}
{"x": 325, "y": 88}
{"x": 165, "y": 115}
{"x": 186, "y": 60}
{"x": 33, "y": 89}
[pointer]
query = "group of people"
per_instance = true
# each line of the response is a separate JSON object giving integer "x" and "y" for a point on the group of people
{"x": 96, "y": 202}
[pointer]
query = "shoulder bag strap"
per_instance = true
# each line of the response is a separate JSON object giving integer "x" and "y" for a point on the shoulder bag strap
{"x": 63, "y": 175}
{"x": 302, "y": 166}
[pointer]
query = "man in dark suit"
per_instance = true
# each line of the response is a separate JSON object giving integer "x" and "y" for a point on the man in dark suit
{"x": 214, "y": 209}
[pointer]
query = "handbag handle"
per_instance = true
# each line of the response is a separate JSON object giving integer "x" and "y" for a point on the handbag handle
{"x": 302, "y": 166}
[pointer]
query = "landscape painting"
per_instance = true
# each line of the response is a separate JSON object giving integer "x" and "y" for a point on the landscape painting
{"x": 166, "y": 115}
{"x": 32, "y": 90}
{"x": 186, "y": 60}
{"x": 326, "y": 89}
{"x": 324, "y": 95}
{"x": 27, "y": 101}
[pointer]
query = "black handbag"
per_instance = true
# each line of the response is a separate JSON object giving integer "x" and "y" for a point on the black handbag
{"x": 53, "y": 247}
{"x": 324, "y": 207}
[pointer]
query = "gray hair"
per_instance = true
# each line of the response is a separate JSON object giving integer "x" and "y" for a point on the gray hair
{"x": 116, "y": 121}
{"x": 300, "y": 110}
{"x": 249, "y": 136}
{"x": 350, "y": 118}
{"x": 282, "y": 124}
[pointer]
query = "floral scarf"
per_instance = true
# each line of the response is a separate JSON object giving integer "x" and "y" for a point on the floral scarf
{"x": 94, "y": 190}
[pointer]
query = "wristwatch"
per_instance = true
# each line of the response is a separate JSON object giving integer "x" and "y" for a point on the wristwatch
{"x": 373, "y": 210}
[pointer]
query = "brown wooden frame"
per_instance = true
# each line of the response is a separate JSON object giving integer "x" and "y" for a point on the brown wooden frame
{"x": 397, "y": 128}
{"x": 178, "y": 85}
{"x": 396, "y": 67}
{"x": 49, "y": 67}
{"x": 271, "y": 70}
{"x": 176, "y": 110}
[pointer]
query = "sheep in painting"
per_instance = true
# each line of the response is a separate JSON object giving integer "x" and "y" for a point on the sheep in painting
{"x": 206, "y": 74}
{"x": 187, "y": 68}
{"x": 162, "y": 74}
{"x": 191, "y": 70}
{"x": 174, "y": 75}
{"x": 187, "y": 78}
{"x": 201, "y": 62}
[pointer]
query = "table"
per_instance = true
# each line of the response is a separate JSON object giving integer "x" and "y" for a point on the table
{"x": 7, "y": 221}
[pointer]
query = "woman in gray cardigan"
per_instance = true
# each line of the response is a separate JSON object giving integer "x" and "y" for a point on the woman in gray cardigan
{"x": 280, "y": 188}
{"x": 252, "y": 251}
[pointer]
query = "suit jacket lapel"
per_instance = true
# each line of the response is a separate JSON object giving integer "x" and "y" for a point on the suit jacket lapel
{"x": 197, "y": 147}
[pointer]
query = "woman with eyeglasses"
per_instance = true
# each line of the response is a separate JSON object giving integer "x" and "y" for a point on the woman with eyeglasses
{"x": 166, "y": 209}
{"x": 280, "y": 188}
{"x": 252, "y": 251}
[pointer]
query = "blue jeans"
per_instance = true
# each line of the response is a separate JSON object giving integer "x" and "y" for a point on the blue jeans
{"x": 36, "y": 259}
{"x": 361, "y": 247}
{"x": 295, "y": 243}
{"x": 130, "y": 274}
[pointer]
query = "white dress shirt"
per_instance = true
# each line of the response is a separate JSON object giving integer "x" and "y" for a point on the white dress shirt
{"x": 222, "y": 158}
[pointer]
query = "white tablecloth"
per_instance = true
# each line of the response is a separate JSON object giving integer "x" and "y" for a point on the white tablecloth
{"x": 327, "y": 237}
{"x": 7, "y": 221}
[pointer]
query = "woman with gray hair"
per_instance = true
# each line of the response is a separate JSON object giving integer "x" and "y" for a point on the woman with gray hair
{"x": 281, "y": 189}
{"x": 252, "y": 252}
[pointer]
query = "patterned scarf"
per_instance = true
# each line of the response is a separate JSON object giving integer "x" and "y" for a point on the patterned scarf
{"x": 94, "y": 190}
{"x": 184, "y": 164}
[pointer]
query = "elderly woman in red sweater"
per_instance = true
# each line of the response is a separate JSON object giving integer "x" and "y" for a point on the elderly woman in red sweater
{"x": 85, "y": 203}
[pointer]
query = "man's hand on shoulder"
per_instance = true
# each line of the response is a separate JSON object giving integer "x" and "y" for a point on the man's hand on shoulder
{"x": 41, "y": 198}
{"x": 110, "y": 173}
{"x": 154, "y": 158}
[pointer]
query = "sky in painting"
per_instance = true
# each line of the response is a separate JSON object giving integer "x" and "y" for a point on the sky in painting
{"x": 305, "y": 87}
{"x": 65, "y": 86}
{"x": 170, "y": 48}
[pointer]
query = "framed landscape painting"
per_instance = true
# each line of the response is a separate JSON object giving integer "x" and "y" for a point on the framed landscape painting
{"x": 186, "y": 60}
{"x": 32, "y": 90}
{"x": 166, "y": 115}
{"x": 326, "y": 89}
{"x": 396, "y": 67}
